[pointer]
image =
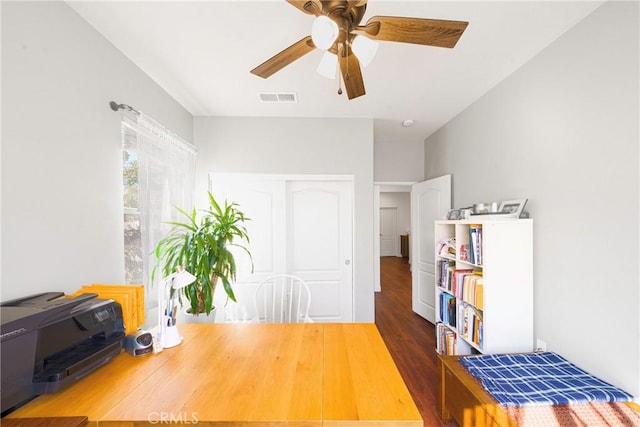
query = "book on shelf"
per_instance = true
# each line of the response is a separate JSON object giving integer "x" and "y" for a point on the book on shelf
{"x": 458, "y": 280}
{"x": 470, "y": 324}
{"x": 442, "y": 273}
{"x": 479, "y": 295}
{"x": 447, "y": 247}
{"x": 449, "y": 279}
{"x": 479, "y": 247}
{"x": 464, "y": 252}
{"x": 475, "y": 244}
{"x": 446, "y": 339}
{"x": 464, "y": 283}
{"x": 451, "y": 343}
{"x": 447, "y": 313}
{"x": 473, "y": 290}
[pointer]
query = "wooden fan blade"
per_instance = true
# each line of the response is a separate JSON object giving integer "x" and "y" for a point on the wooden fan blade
{"x": 284, "y": 58}
{"x": 430, "y": 32}
{"x": 351, "y": 74}
{"x": 310, "y": 7}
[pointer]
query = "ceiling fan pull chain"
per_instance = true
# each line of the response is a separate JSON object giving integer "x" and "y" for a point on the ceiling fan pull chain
{"x": 347, "y": 50}
{"x": 339, "y": 78}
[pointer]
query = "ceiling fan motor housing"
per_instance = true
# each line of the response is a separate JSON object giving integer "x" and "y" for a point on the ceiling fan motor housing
{"x": 352, "y": 11}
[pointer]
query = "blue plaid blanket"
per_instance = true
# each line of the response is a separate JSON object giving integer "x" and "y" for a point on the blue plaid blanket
{"x": 539, "y": 379}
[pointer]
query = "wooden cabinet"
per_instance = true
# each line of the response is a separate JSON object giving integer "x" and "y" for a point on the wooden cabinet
{"x": 404, "y": 245}
{"x": 484, "y": 286}
{"x": 462, "y": 398}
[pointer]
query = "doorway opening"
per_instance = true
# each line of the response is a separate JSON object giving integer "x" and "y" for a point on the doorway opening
{"x": 428, "y": 201}
{"x": 392, "y": 210}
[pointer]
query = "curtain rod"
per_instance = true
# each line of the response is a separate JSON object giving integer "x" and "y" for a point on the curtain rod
{"x": 115, "y": 107}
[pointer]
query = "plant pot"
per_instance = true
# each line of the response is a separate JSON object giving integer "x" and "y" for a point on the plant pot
{"x": 187, "y": 317}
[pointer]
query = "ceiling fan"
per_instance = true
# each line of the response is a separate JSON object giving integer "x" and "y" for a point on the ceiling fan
{"x": 338, "y": 32}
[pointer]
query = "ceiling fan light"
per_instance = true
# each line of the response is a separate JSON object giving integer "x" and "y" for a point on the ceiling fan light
{"x": 328, "y": 65}
{"x": 324, "y": 32}
{"x": 365, "y": 49}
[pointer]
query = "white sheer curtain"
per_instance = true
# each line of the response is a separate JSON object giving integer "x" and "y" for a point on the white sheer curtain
{"x": 166, "y": 174}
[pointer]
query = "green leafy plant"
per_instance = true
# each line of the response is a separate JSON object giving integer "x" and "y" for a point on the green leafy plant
{"x": 201, "y": 245}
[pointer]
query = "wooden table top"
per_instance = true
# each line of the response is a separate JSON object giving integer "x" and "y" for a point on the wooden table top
{"x": 245, "y": 374}
{"x": 45, "y": 422}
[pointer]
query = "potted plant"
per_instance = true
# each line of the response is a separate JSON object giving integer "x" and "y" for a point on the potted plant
{"x": 201, "y": 245}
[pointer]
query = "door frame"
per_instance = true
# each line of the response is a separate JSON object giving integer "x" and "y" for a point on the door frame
{"x": 383, "y": 187}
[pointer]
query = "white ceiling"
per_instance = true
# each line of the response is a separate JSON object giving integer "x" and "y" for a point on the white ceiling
{"x": 201, "y": 53}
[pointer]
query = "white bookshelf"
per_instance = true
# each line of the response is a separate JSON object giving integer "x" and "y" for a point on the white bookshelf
{"x": 506, "y": 268}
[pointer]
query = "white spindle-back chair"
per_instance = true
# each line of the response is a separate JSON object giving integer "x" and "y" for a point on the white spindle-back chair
{"x": 283, "y": 298}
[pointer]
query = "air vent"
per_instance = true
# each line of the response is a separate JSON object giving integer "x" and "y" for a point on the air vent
{"x": 278, "y": 97}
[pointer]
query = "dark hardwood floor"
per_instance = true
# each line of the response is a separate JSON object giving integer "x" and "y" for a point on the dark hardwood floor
{"x": 409, "y": 337}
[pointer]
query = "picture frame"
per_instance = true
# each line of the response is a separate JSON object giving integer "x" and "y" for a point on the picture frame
{"x": 514, "y": 207}
{"x": 453, "y": 214}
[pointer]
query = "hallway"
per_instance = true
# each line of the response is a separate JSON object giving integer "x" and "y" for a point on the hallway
{"x": 409, "y": 338}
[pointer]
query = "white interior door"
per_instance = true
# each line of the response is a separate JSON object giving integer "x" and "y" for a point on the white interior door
{"x": 430, "y": 200}
{"x": 320, "y": 245}
{"x": 263, "y": 202}
{"x": 389, "y": 232}
{"x": 296, "y": 226}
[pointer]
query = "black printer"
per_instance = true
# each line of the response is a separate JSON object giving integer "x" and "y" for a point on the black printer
{"x": 47, "y": 342}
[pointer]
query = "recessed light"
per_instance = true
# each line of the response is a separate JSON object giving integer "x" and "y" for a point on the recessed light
{"x": 407, "y": 123}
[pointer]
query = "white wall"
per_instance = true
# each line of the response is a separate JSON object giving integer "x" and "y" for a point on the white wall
{"x": 563, "y": 132}
{"x": 299, "y": 146}
{"x": 398, "y": 161}
{"x": 61, "y": 158}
